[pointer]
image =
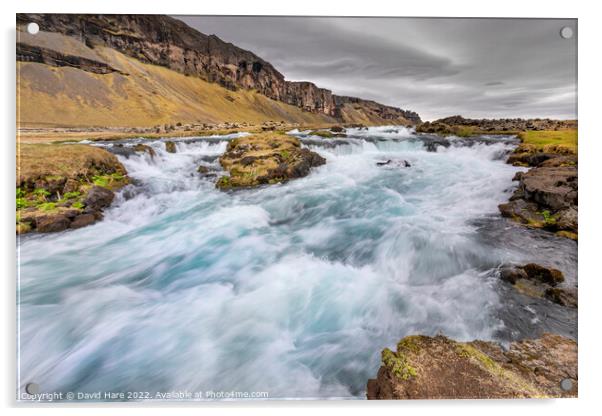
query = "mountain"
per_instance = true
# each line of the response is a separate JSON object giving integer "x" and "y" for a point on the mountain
{"x": 149, "y": 69}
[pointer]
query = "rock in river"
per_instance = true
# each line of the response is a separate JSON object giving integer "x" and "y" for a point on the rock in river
{"x": 265, "y": 158}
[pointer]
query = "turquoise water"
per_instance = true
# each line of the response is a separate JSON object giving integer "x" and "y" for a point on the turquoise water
{"x": 291, "y": 289}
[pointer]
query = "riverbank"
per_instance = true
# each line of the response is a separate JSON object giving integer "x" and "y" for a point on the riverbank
{"x": 547, "y": 194}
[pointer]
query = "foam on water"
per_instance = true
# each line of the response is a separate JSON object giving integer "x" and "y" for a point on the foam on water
{"x": 292, "y": 289}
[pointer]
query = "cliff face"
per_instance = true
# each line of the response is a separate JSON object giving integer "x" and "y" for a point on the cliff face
{"x": 168, "y": 42}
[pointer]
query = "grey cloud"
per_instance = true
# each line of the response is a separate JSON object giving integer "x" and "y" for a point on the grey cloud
{"x": 437, "y": 67}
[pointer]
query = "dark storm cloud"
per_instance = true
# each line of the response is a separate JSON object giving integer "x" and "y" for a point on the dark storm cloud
{"x": 437, "y": 67}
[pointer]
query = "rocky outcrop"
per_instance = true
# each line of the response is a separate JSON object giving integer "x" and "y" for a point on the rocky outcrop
{"x": 64, "y": 186}
{"x": 546, "y": 197}
{"x": 538, "y": 281}
{"x": 458, "y": 125}
{"x": 168, "y": 42}
{"x": 440, "y": 368}
{"x": 265, "y": 158}
{"x": 31, "y": 53}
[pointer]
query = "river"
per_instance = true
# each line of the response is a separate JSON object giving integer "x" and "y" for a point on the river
{"x": 290, "y": 289}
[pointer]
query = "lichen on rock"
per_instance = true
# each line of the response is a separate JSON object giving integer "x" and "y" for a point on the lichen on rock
{"x": 440, "y": 368}
{"x": 265, "y": 158}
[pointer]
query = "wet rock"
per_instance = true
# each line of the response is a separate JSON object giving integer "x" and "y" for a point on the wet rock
{"x": 440, "y": 368}
{"x": 523, "y": 211}
{"x": 512, "y": 274}
{"x": 98, "y": 198}
{"x": 337, "y": 129}
{"x": 540, "y": 282}
{"x": 562, "y": 296}
{"x": 546, "y": 197}
{"x": 143, "y": 148}
{"x": 398, "y": 163}
{"x": 202, "y": 169}
{"x": 82, "y": 220}
{"x": 543, "y": 274}
{"x": 170, "y": 147}
{"x": 52, "y": 223}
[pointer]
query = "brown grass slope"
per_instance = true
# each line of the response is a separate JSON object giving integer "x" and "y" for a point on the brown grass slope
{"x": 139, "y": 95}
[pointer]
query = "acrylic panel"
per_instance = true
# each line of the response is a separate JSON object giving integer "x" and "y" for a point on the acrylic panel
{"x": 259, "y": 208}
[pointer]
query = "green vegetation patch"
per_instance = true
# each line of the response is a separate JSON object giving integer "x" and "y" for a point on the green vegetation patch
{"x": 550, "y": 140}
{"x": 398, "y": 364}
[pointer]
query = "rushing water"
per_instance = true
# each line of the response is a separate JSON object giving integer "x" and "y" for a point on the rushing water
{"x": 290, "y": 289}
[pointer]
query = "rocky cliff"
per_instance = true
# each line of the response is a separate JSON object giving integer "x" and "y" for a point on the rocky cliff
{"x": 168, "y": 42}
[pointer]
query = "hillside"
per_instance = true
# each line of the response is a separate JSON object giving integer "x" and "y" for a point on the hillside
{"x": 116, "y": 70}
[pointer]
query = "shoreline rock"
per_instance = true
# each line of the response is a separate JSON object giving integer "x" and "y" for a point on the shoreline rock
{"x": 546, "y": 198}
{"x": 66, "y": 186}
{"x": 539, "y": 282}
{"x": 464, "y": 127}
{"x": 437, "y": 367}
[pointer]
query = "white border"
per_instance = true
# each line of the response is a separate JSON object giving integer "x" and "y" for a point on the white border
{"x": 590, "y": 149}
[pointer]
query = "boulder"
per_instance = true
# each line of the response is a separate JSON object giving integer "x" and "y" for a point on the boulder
{"x": 562, "y": 296}
{"x": 143, "y": 148}
{"x": 512, "y": 274}
{"x": 98, "y": 198}
{"x": 170, "y": 147}
{"x": 52, "y": 223}
{"x": 83, "y": 220}
{"x": 265, "y": 158}
{"x": 437, "y": 367}
{"x": 543, "y": 274}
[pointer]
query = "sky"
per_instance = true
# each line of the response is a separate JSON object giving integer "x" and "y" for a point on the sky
{"x": 478, "y": 68}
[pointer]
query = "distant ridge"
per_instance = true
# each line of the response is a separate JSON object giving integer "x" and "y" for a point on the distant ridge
{"x": 170, "y": 43}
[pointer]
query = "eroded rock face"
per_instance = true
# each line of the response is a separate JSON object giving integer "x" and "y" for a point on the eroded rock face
{"x": 265, "y": 158}
{"x": 546, "y": 197}
{"x": 168, "y": 42}
{"x": 440, "y": 368}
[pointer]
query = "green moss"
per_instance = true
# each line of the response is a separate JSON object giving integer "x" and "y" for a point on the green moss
{"x": 20, "y": 193}
{"x": 323, "y": 133}
{"x": 107, "y": 180}
{"x": 463, "y": 131}
{"x": 398, "y": 364}
{"x": 47, "y": 206}
{"x": 469, "y": 352}
{"x": 285, "y": 154}
{"x": 224, "y": 182}
{"x": 548, "y": 219}
{"x": 410, "y": 343}
{"x": 71, "y": 195}
{"x": 22, "y": 203}
{"x": 41, "y": 193}
{"x": 77, "y": 205}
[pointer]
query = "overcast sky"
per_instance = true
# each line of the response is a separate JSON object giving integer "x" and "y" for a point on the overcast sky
{"x": 436, "y": 67}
